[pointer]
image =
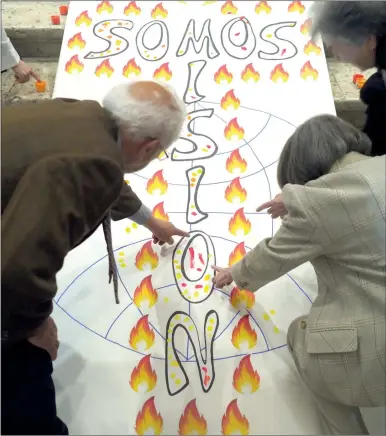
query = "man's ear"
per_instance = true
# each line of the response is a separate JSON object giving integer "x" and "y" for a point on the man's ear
{"x": 151, "y": 147}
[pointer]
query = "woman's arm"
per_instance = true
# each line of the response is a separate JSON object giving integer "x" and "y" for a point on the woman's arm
{"x": 9, "y": 56}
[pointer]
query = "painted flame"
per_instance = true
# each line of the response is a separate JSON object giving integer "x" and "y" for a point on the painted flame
{"x": 306, "y": 27}
{"x": 149, "y": 421}
{"x": 223, "y": 75}
{"x": 237, "y": 254}
{"x": 263, "y": 7}
{"x": 230, "y": 101}
{"x": 191, "y": 422}
{"x": 243, "y": 335}
{"x": 249, "y": 74}
{"x": 159, "y": 212}
{"x": 146, "y": 257}
{"x": 163, "y": 72}
{"x": 157, "y": 185}
{"x": 242, "y": 299}
{"x": 311, "y": 47}
{"x": 245, "y": 379}
{"x": 83, "y": 18}
{"x": 76, "y": 41}
{"x": 132, "y": 8}
{"x": 233, "y": 132}
{"x": 308, "y": 71}
{"x": 131, "y": 68}
{"x": 159, "y": 12}
{"x": 104, "y": 68}
{"x": 143, "y": 378}
{"x": 235, "y": 163}
{"x": 229, "y": 8}
{"x": 239, "y": 225}
{"x": 296, "y": 6}
{"x": 233, "y": 422}
{"x": 145, "y": 296}
{"x": 235, "y": 193}
{"x": 142, "y": 337}
{"x": 279, "y": 74}
{"x": 74, "y": 65}
{"x": 104, "y": 6}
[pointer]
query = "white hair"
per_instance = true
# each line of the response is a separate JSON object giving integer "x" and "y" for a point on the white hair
{"x": 153, "y": 118}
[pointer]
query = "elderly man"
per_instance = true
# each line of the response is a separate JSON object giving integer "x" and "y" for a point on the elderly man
{"x": 62, "y": 165}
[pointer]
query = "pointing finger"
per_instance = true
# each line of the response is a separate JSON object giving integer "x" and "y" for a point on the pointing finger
{"x": 264, "y": 206}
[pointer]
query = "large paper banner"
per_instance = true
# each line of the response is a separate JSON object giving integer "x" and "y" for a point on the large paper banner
{"x": 192, "y": 359}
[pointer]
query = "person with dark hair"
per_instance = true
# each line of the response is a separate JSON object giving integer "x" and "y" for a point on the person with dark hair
{"x": 334, "y": 193}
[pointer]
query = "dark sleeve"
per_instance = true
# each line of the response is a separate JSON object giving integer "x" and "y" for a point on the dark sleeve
{"x": 56, "y": 203}
{"x": 130, "y": 206}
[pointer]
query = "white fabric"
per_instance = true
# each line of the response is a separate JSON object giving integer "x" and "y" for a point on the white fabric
{"x": 9, "y": 56}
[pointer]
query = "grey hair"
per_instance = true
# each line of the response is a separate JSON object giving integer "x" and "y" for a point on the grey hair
{"x": 353, "y": 22}
{"x": 315, "y": 146}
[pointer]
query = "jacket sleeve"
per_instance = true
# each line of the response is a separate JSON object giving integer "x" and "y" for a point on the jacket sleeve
{"x": 130, "y": 206}
{"x": 56, "y": 203}
{"x": 9, "y": 56}
{"x": 296, "y": 242}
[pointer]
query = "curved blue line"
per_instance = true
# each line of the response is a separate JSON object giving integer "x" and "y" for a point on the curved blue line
{"x": 308, "y": 298}
{"x": 261, "y": 331}
{"x": 116, "y": 319}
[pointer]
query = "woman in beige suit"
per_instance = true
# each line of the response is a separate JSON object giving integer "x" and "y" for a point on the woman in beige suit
{"x": 335, "y": 197}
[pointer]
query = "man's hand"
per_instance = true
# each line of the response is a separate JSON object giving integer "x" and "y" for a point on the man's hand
{"x": 275, "y": 207}
{"x": 23, "y": 73}
{"x": 223, "y": 277}
{"x": 46, "y": 337}
{"x": 163, "y": 231}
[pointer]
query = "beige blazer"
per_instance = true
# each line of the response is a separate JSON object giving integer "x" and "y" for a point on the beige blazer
{"x": 336, "y": 222}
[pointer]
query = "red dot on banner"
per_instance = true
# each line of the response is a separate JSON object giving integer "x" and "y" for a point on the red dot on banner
{"x": 237, "y": 34}
{"x": 183, "y": 285}
{"x": 198, "y": 286}
{"x": 194, "y": 213}
{"x": 199, "y": 269}
{"x": 243, "y": 48}
{"x": 208, "y": 146}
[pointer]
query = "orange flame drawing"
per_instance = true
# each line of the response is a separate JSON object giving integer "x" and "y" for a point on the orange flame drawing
{"x": 233, "y": 131}
{"x": 149, "y": 421}
{"x": 237, "y": 254}
{"x": 146, "y": 257}
{"x": 239, "y": 224}
{"x": 76, "y": 41}
{"x": 145, "y": 293}
{"x": 242, "y": 299}
{"x": 191, "y": 422}
{"x": 308, "y": 71}
{"x": 243, "y": 334}
{"x": 311, "y": 47}
{"x": 263, "y": 7}
{"x": 235, "y": 193}
{"x": 235, "y": 163}
{"x": 279, "y": 74}
{"x": 296, "y": 6}
{"x": 104, "y": 68}
{"x": 245, "y": 379}
{"x": 143, "y": 378}
{"x": 228, "y": 8}
{"x": 157, "y": 185}
{"x": 230, "y": 101}
{"x": 83, "y": 18}
{"x": 132, "y": 8}
{"x": 306, "y": 27}
{"x": 131, "y": 68}
{"x": 74, "y": 65}
{"x": 163, "y": 72}
{"x": 104, "y": 6}
{"x": 249, "y": 74}
{"x": 159, "y": 12}
{"x": 159, "y": 212}
{"x": 233, "y": 422}
{"x": 142, "y": 337}
{"x": 223, "y": 75}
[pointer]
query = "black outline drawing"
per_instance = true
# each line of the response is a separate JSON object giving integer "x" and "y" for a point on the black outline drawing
{"x": 192, "y": 38}
{"x": 210, "y": 250}
{"x": 247, "y": 26}
{"x": 204, "y": 215}
{"x": 95, "y": 54}
{"x": 195, "y": 114}
{"x": 194, "y": 78}
{"x": 260, "y": 53}
{"x": 199, "y": 361}
{"x": 164, "y": 32}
